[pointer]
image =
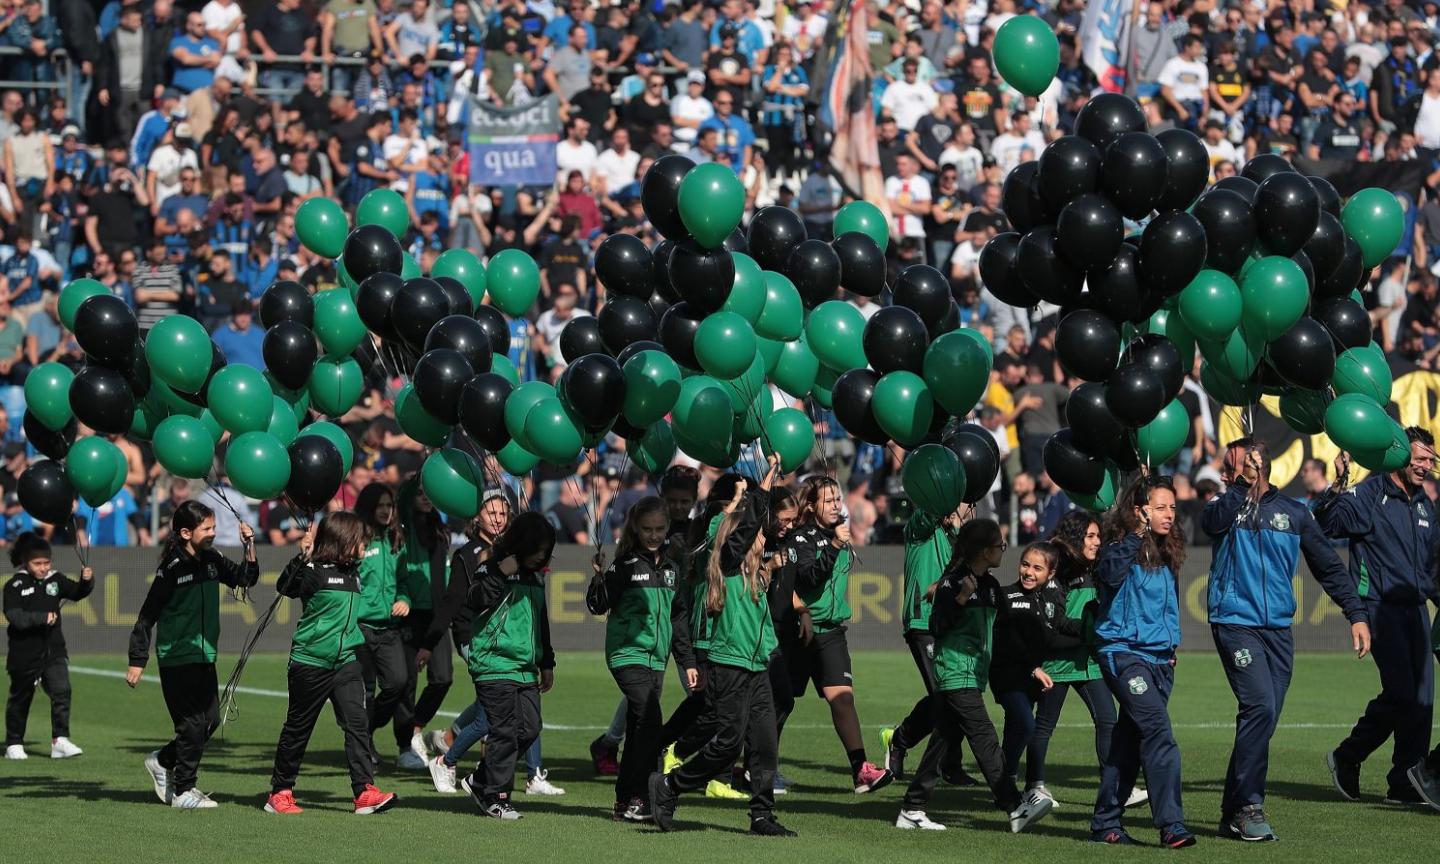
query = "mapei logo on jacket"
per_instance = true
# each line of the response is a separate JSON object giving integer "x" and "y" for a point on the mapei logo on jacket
{"x": 1243, "y": 658}
{"x": 1138, "y": 685}
{"x": 1280, "y": 521}
{"x": 52, "y": 589}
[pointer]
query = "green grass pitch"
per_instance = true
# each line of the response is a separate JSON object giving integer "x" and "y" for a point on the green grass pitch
{"x": 99, "y": 807}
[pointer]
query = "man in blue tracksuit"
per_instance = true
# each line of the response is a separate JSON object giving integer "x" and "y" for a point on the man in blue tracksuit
{"x": 1391, "y": 526}
{"x": 1259, "y": 537}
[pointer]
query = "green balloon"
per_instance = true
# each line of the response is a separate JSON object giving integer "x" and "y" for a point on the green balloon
{"x": 957, "y": 370}
{"x": 711, "y": 202}
{"x": 148, "y": 415}
{"x": 834, "y": 332}
{"x": 903, "y": 407}
{"x": 518, "y": 405}
{"x": 454, "y": 482}
{"x": 554, "y": 435}
{"x": 654, "y": 452}
{"x": 1355, "y": 422}
{"x": 1027, "y": 54}
{"x": 212, "y": 425}
{"x": 184, "y": 447}
{"x": 1170, "y": 325}
{"x": 335, "y": 435}
{"x": 796, "y": 369}
{"x": 1211, "y": 305}
{"x": 462, "y": 266}
{"x": 335, "y": 385}
{"x": 979, "y": 339}
{"x": 1238, "y": 356}
{"x": 90, "y": 468}
{"x": 1274, "y": 292}
{"x": 824, "y": 385}
{"x": 241, "y": 399}
{"x": 345, "y": 279}
{"x": 1159, "y": 440}
{"x": 337, "y": 322}
{"x": 769, "y": 351}
{"x": 934, "y": 479}
{"x": 790, "y": 435}
{"x": 173, "y": 402}
{"x": 747, "y": 387}
{"x": 384, "y": 207}
{"x": 703, "y": 409}
{"x": 283, "y": 424}
{"x": 1364, "y": 371}
{"x": 416, "y": 422}
{"x": 1103, "y": 499}
{"x": 750, "y": 423}
{"x": 652, "y": 384}
{"x": 321, "y": 226}
{"x": 866, "y": 218}
{"x": 258, "y": 465}
{"x": 409, "y": 267}
{"x": 178, "y": 350}
{"x": 516, "y": 460}
{"x": 724, "y": 344}
{"x": 1304, "y": 410}
{"x": 783, "y": 318}
{"x": 1376, "y": 220}
{"x": 47, "y": 395}
{"x": 1391, "y": 458}
{"x": 298, "y": 400}
{"x": 500, "y": 364}
{"x": 710, "y": 448}
{"x": 747, "y": 295}
{"x": 72, "y": 295}
{"x": 513, "y": 281}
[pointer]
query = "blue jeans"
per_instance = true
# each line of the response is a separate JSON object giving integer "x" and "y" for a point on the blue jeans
{"x": 1019, "y": 706}
{"x": 470, "y": 727}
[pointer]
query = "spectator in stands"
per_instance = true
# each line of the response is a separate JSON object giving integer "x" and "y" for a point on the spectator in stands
{"x": 1020, "y": 143}
{"x": 413, "y": 32}
{"x": 683, "y": 40}
{"x": 241, "y": 339}
{"x": 647, "y": 110}
{"x": 1338, "y": 137}
{"x": 13, "y": 365}
{"x": 284, "y": 29}
{"x": 909, "y": 195}
{"x": 1153, "y": 48}
{"x": 1185, "y": 83}
{"x": 36, "y": 36}
{"x": 196, "y": 56}
{"x": 569, "y": 68}
{"x": 735, "y": 137}
{"x": 159, "y": 287}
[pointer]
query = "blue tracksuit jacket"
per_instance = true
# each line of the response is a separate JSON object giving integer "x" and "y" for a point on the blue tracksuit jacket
{"x": 1392, "y": 536}
{"x": 1139, "y": 607}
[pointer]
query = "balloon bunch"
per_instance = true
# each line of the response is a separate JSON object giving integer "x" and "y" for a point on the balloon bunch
{"x": 1260, "y": 272}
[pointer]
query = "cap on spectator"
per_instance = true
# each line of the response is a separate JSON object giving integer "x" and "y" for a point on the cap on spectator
{"x": 644, "y": 58}
{"x": 495, "y": 494}
{"x": 729, "y": 31}
{"x": 695, "y": 76}
{"x": 70, "y": 131}
{"x": 170, "y": 93}
{"x": 182, "y": 130}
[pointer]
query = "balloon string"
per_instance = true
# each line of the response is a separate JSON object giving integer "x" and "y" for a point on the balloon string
{"x": 82, "y": 550}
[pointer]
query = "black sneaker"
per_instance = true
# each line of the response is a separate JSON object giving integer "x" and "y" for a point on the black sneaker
{"x": 1112, "y": 837}
{"x": 662, "y": 802}
{"x": 766, "y": 826}
{"x": 957, "y": 776}
{"x": 1403, "y": 796}
{"x": 475, "y": 788}
{"x": 1180, "y": 838}
{"x": 499, "y": 808}
{"x": 638, "y": 811}
{"x": 1346, "y": 776}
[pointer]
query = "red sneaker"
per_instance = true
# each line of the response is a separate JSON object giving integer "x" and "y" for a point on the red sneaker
{"x": 282, "y": 802}
{"x": 372, "y": 800}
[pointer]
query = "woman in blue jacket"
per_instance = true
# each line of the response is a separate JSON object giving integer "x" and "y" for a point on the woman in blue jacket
{"x": 1137, "y": 634}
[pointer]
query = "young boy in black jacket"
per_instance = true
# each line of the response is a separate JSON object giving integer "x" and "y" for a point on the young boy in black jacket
{"x": 37, "y": 644}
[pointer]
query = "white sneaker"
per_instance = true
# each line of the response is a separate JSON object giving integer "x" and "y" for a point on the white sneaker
{"x": 63, "y": 748}
{"x": 15, "y": 751}
{"x": 193, "y": 799}
{"x": 159, "y": 776}
{"x": 417, "y": 745}
{"x": 443, "y": 776}
{"x": 912, "y": 819}
{"x": 1039, "y": 791}
{"x": 1029, "y": 812}
{"x": 409, "y": 760}
{"x": 1138, "y": 796}
{"x": 438, "y": 743}
{"x": 540, "y": 784}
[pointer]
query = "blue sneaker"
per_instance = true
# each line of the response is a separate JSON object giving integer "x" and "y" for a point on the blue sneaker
{"x": 1112, "y": 837}
{"x": 1180, "y": 838}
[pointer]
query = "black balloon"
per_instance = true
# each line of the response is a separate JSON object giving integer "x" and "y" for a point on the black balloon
{"x": 1266, "y": 165}
{"x": 774, "y": 232}
{"x": 419, "y": 304}
{"x": 895, "y": 338}
{"x": 979, "y": 458}
{"x": 1123, "y": 453}
{"x": 659, "y": 194}
{"x": 1135, "y": 394}
{"x": 1090, "y": 230}
{"x": 814, "y": 268}
{"x": 137, "y": 373}
{"x": 1172, "y": 252}
{"x": 1229, "y": 229}
{"x": 1132, "y": 173}
{"x": 1071, "y": 468}
{"x": 1044, "y": 271}
{"x": 316, "y": 472}
{"x": 594, "y": 388}
{"x": 371, "y": 249}
{"x": 660, "y": 258}
{"x": 1095, "y": 428}
{"x": 45, "y": 493}
{"x": 1304, "y": 355}
{"x": 735, "y": 241}
{"x": 580, "y": 337}
{"x": 47, "y": 441}
{"x": 1329, "y": 198}
{"x": 658, "y": 304}
{"x": 373, "y": 299}
{"x": 482, "y": 410}
{"x": 624, "y": 320}
{"x": 624, "y": 266}
{"x": 1000, "y": 271}
{"x": 101, "y": 399}
{"x": 1162, "y": 357}
{"x": 1106, "y": 117}
{"x": 1069, "y": 166}
{"x": 290, "y": 353}
{"x": 948, "y": 322}
{"x": 703, "y": 276}
{"x": 1307, "y": 268}
{"x": 862, "y": 264}
{"x": 106, "y": 329}
{"x": 466, "y": 335}
{"x": 493, "y": 322}
{"x": 677, "y": 333}
{"x": 439, "y": 375}
{"x": 461, "y": 303}
{"x": 852, "y": 396}
{"x": 1115, "y": 290}
{"x": 1020, "y": 198}
{"x": 1188, "y": 171}
{"x": 1244, "y": 186}
{"x": 923, "y": 289}
{"x": 1346, "y": 321}
{"x": 1346, "y": 275}
{"x": 1326, "y": 246}
{"x": 634, "y": 348}
{"x": 286, "y": 300}
{"x": 1087, "y": 344}
{"x": 1287, "y": 210}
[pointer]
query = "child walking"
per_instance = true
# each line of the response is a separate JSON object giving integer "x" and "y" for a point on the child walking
{"x": 382, "y": 651}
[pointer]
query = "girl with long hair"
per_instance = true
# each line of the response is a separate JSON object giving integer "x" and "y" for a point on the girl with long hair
{"x": 424, "y": 552}
{"x": 382, "y": 653}
{"x": 325, "y": 578}
{"x": 183, "y": 606}
{"x": 1137, "y": 633}
{"x": 789, "y": 616}
{"x": 511, "y": 661}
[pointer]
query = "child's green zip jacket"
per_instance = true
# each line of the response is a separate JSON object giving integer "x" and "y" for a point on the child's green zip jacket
{"x": 328, "y": 631}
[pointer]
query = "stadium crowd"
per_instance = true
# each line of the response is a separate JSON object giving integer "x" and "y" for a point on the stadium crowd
{"x": 162, "y": 148}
